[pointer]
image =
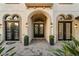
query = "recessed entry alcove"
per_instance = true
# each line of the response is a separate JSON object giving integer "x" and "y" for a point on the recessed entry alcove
{"x": 39, "y": 25}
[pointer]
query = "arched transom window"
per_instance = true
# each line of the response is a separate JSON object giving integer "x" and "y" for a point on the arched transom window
{"x": 11, "y": 17}
{"x": 63, "y": 17}
{"x": 65, "y": 27}
{"x": 11, "y": 27}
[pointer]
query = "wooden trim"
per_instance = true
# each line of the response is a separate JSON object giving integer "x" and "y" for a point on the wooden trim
{"x": 6, "y": 31}
{"x": 39, "y": 35}
{"x": 38, "y": 5}
{"x": 64, "y": 29}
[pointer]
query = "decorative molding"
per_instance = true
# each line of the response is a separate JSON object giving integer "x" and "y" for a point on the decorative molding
{"x": 67, "y": 17}
{"x": 13, "y": 17}
{"x": 38, "y": 5}
{"x": 66, "y": 3}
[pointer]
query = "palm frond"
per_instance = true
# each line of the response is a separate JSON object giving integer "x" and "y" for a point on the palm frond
{"x": 10, "y": 49}
{"x": 1, "y": 50}
{"x": 56, "y": 53}
{"x": 60, "y": 51}
{"x": 1, "y": 42}
{"x": 13, "y": 54}
{"x": 69, "y": 48}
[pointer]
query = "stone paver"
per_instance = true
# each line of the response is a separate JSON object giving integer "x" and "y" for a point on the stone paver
{"x": 36, "y": 48}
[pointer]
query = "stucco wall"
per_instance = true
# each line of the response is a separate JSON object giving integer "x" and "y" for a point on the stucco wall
{"x": 53, "y": 13}
{"x": 24, "y": 13}
{"x": 48, "y": 13}
{"x": 12, "y": 9}
{"x": 65, "y": 9}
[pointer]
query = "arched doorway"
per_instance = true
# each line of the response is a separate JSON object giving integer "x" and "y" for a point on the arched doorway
{"x": 11, "y": 26}
{"x": 38, "y": 25}
{"x": 65, "y": 27}
{"x": 38, "y": 21}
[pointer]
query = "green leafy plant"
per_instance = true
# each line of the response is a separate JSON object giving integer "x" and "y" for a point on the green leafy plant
{"x": 70, "y": 48}
{"x": 26, "y": 40}
{"x": 7, "y": 52}
{"x": 51, "y": 38}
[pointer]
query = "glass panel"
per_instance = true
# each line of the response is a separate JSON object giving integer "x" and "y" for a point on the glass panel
{"x": 41, "y": 28}
{"x": 12, "y": 30}
{"x": 8, "y": 30}
{"x": 67, "y": 30}
{"x": 60, "y": 34}
{"x": 36, "y": 29}
{"x": 8, "y": 18}
{"x": 16, "y": 30}
{"x": 15, "y": 18}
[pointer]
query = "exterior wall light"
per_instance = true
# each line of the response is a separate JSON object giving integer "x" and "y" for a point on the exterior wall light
{"x": 0, "y": 25}
{"x": 0, "y": 35}
{"x": 51, "y": 25}
{"x": 76, "y": 26}
{"x": 26, "y": 24}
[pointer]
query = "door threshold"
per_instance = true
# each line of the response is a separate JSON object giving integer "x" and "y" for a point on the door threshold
{"x": 38, "y": 38}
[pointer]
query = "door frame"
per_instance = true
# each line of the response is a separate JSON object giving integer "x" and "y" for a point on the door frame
{"x": 5, "y": 30}
{"x": 64, "y": 30}
{"x": 38, "y": 30}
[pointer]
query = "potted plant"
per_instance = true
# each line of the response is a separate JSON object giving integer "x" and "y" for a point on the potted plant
{"x": 26, "y": 40}
{"x": 51, "y": 38}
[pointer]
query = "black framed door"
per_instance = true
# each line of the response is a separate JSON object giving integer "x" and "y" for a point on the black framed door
{"x": 38, "y": 30}
{"x": 11, "y": 31}
{"x": 64, "y": 30}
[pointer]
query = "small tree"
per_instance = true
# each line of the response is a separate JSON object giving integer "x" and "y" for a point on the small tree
{"x": 51, "y": 38}
{"x": 26, "y": 40}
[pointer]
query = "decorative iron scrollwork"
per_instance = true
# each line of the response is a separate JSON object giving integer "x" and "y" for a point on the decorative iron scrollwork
{"x": 65, "y": 17}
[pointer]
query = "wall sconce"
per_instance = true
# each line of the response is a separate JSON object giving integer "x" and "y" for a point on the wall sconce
{"x": 0, "y": 25}
{"x": 76, "y": 26}
{"x": 0, "y": 35}
{"x": 26, "y": 24}
{"x": 51, "y": 25}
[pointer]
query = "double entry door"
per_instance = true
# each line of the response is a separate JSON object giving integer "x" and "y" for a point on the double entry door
{"x": 38, "y": 30}
{"x": 11, "y": 31}
{"x": 64, "y": 30}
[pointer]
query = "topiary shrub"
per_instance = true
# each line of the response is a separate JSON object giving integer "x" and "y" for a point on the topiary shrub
{"x": 51, "y": 38}
{"x": 26, "y": 40}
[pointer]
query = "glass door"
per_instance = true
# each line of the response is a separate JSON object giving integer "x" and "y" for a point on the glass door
{"x": 41, "y": 30}
{"x": 11, "y": 31}
{"x": 64, "y": 30}
{"x": 38, "y": 30}
{"x": 68, "y": 30}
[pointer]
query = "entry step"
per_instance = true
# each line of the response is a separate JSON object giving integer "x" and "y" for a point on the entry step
{"x": 38, "y": 38}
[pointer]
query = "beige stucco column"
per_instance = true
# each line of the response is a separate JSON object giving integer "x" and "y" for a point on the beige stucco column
{"x": 47, "y": 25}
